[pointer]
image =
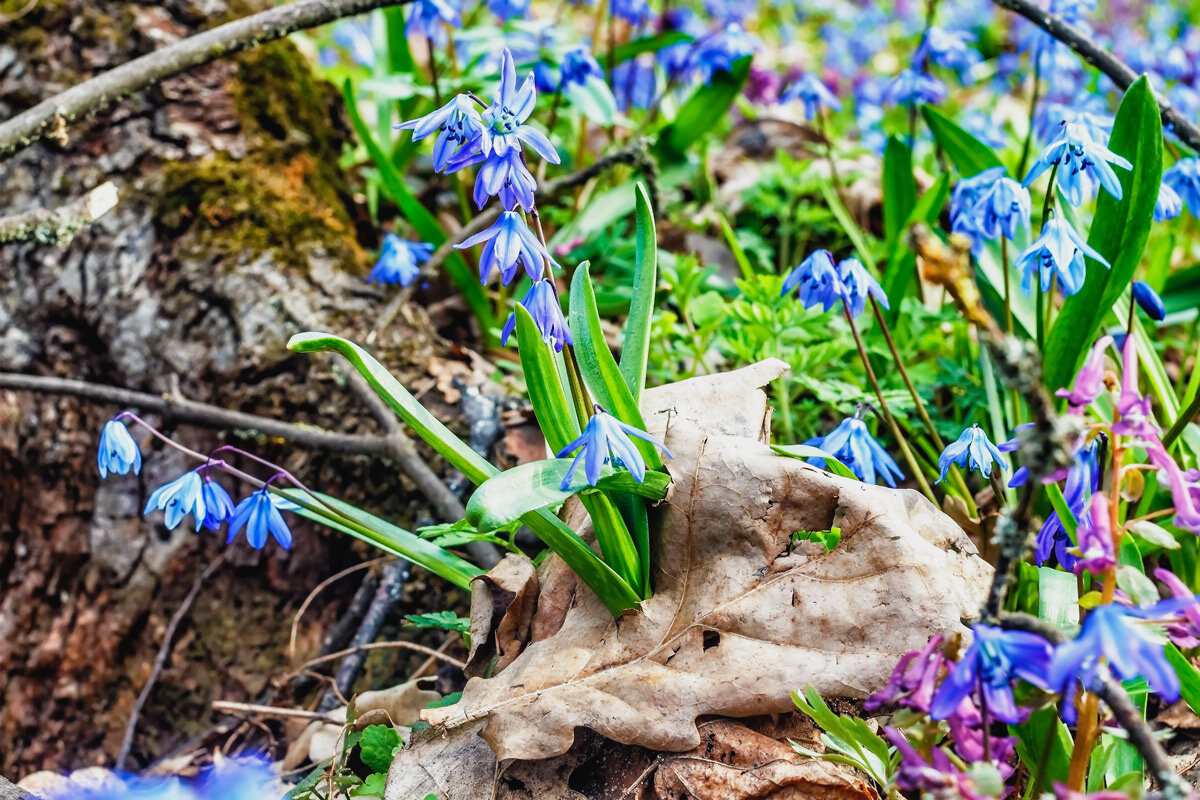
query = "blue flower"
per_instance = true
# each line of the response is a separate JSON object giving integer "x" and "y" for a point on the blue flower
{"x": 1083, "y": 479}
{"x": 857, "y": 283}
{"x": 949, "y": 49}
{"x": 1080, "y": 159}
{"x": 995, "y": 658}
{"x": 913, "y": 88}
{"x": 505, "y": 176}
{"x": 1184, "y": 179}
{"x": 810, "y": 90}
{"x": 117, "y": 453}
{"x": 1058, "y": 251}
{"x": 818, "y": 280}
{"x": 259, "y": 514}
{"x": 1127, "y": 644}
{"x": 507, "y": 9}
{"x": 974, "y": 450}
{"x": 509, "y": 243}
{"x": 852, "y": 444}
{"x": 966, "y": 210}
{"x": 1089, "y": 111}
{"x": 355, "y": 37}
{"x": 635, "y": 12}
{"x": 399, "y": 261}
{"x": 510, "y": 107}
{"x": 984, "y": 127}
{"x": 719, "y": 51}
{"x": 635, "y": 83}
{"x": 462, "y": 136}
{"x": 1149, "y": 301}
{"x": 218, "y": 505}
{"x": 429, "y": 18}
{"x": 179, "y": 498}
{"x": 541, "y": 301}
{"x": 1169, "y": 205}
{"x": 607, "y": 438}
{"x": 579, "y": 66}
{"x": 1006, "y": 207}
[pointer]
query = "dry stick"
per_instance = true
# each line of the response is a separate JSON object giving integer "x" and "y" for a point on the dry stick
{"x": 164, "y": 650}
{"x": 50, "y": 117}
{"x": 1091, "y": 52}
{"x": 399, "y": 643}
{"x": 267, "y": 711}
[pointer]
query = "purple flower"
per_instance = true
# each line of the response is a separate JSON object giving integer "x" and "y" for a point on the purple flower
{"x": 509, "y": 243}
{"x": 1136, "y": 418}
{"x": 399, "y": 261}
{"x": 994, "y": 660}
{"x": 179, "y": 498}
{"x": 1184, "y": 632}
{"x": 818, "y": 281}
{"x": 913, "y": 88}
{"x": 852, "y": 444}
{"x": 913, "y": 680}
{"x": 1095, "y": 549}
{"x": 117, "y": 453}
{"x": 218, "y": 505}
{"x": 1059, "y": 251}
{"x": 939, "y": 778}
{"x": 972, "y": 450}
{"x": 607, "y": 438}
{"x": 1089, "y": 383}
{"x": 1119, "y": 638}
{"x": 462, "y": 136}
{"x": 259, "y": 515}
{"x": 1184, "y": 179}
{"x": 1183, "y": 491}
{"x": 1079, "y": 158}
{"x": 541, "y": 301}
{"x": 813, "y": 93}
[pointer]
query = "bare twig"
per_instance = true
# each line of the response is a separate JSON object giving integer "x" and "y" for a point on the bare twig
{"x": 398, "y": 644}
{"x": 1091, "y": 52}
{"x": 321, "y": 587}
{"x": 229, "y": 707}
{"x": 50, "y": 117}
{"x": 59, "y": 226}
{"x": 164, "y": 650}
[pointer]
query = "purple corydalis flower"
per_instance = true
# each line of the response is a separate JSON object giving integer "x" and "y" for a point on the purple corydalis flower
{"x": 813, "y": 93}
{"x": 939, "y": 778}
{"x": 117, "y": 453}
{"x": 179, "y": 498}
{"x": 973, "y": 450}
{"x": 259, "y": 515}
{"x": 399, "y": 261}
{"x": 1183, "y": 491}
{"x": 1095, "y": 548}
{"x": 857, "y": 284}
{"x": 1079, "y": 158}
{"x": 1089, "y": 383}
{"x": 606, "y": 438}
{"x": 1184, "y": 632}
{"x": 541, "y": 301}
{"x": 1136, "y": 418}
{"x": 1058, "y": 252}
{"x": 509, "y": 243}
{"x": 462, "y": 136}
{"x": 1184, "y": 179}
{"x": 913, "y": 88}
{"x": 1119, "y": 638}
{"x": 817, "y": 279}
{"x": 994, "y": 660}
{"x": 913, "y": 680}
{"x": 852, "y": 444}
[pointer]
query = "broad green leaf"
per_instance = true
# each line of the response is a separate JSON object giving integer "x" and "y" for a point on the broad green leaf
{"x": 808, "y": 451}
{"x": 648, "y": 44}
{"x": 1044, "y": 745}
{"x": 1065, "y": 516}
{"x": 1058, "y": 597}
{"x": 616, "y": 543}
{"x": 704, "y": 110}
{"x": 635, "y": 350}
{"x": 378, "y": 744}
{"x": 515, "y": 492}
{"x": 422, "y": 220}
{"x": 899, "y": 189}
{"x": 850, "y": 737}
{"x": 1119, "y": 233}
{"x": 600, "y": 369}
{"x": 970, "y": 155}
{"x": 542, "y": 382}
{"x": 1189, "y": 678}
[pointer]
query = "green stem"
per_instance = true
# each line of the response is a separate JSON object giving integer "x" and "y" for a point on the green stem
{"x": 1008, "y": 314}
{"x": 1185, "y": 416}
{"x": 783, "y": 397}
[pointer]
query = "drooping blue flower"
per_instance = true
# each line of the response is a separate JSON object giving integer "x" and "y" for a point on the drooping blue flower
{"x": 994, "y": 660}
{"x": 259, "y": 515}
{"x": 218, "y": 505}
{"x": 1082, "y": 481}
{"x": 914, "y": 88}
{"x": 233, "y": 779}
{"x": 818, "y": 280}
{"x": 507, "y": 9}
{"x": 857, "y": 284}
{"x": 429, "y": 18}
{"x": 852, "y": 444}
{"x": 1089, "y": 111}
{"x": 1059, "y": 251}
{"x": 635, "y": 83}
{"x": 509, "y": 245}
{"x": 1169, "y": 204}
{"x": 354, "y": 36}
{"x": 1149, "y": 301}
{"x": 813, "y": 93}
{"x": 505, "y": 176}
{"x": 949, "y": 49}
{"x": 117, "y": 453}
{"x": 718, "y": 52}
{"x": 579, "y": 66}
{"x": 972, "y": 450}
{"x": 399, "y": 260}
{"x": 966, "y": 212}
{"x": 606, "y": 438}
{"x": 984, "y": 127}
{"x": 1080, "y": 160}
{"x": 179, "y": 498}
{"x": 541, "y": 301}
{"x": 635, "y": 12}
{"x": 1184, "y": 178}
{"x": 462, "y": 136}
{"x": 1128, "y": 646}
{"x": 1006, "y": 208}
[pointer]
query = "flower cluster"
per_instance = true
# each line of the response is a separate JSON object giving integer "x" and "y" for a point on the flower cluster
{"x": 820, "y": 283}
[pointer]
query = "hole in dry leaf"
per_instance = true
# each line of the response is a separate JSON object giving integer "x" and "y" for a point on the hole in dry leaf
{"x": 711, "y": 639}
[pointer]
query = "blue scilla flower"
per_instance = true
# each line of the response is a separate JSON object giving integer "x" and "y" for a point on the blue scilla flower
{"x": 509, "y": 244}
{"x": 1080, "y": 159}
{"x": 853, "y": 445}
{"x": 817, "y": 279}
{"x": 355, "y": 37}
{"x": 973, "y": 450}
{"x": 462, "y": 136}
{"x": 505, "y": 176}
{"x": 635, "y": 12}
{"x": 399, "y": 260}
{"x": 429, "y": 18}
{"x": 813, "y": 93}
{"x": 983, "y": 126}
{"x": 1149, "y": 301}
{"x": 994, "y": 660}
{"x": 1120, "y": 638}
{"x": 218, "y": 505}
{"x": 914, "y": 88}
{"x": 117, "y": 453}
{"x": 579, "y": 66}
{"x": 1184, "y": 179}
{"x": 1169, "y": 204}
{"x": 607, "y": 438}
{"x": 1089, "y": 111}
{"x": 507, "y": 9}
{"x": 541, "y": 301}
{"x": 717, "y": 53}
{"x": 1058, "y": 251}
{"x": 177, "y": 499}
{"x": 857, "y": 284}
{"x": 965, "y": 209}
{"x": 1004, "y": 209}
{"x": 949, "y": 49}
{"x": 259, "y": 514}
{"x": 511, "y": 106}
{"x": 1082, "y": 481}
{"x": 635, "y": 83}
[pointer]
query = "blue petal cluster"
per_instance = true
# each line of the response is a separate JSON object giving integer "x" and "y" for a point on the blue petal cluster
{"x": 994, "y": 660}
{"x": 1184, "y": 179}
{"x": 813, "y": 93}
{"x": 973, "y": 450}
{"x": 1059, "y": 251}
{"x": 508, "y": 245}
{"x": 853, "y": 445}
{"x": 820, "y": 283}
{"x": 117, "y": 453}
{"x": 399, "y": 260}
{"x": 179, "y": 498}
{"x": 429, "y": 18}
{"x": 1081, "y": 161}
{"x": 606, "y": 438}
{"x": 913, "y": 88}
{"x": 541, "y": 301}
{"x": 259, "y": 515}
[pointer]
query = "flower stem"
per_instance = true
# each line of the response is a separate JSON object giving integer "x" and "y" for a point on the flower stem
{"x": 433, "y": 73}
{"x": 1008, "y": 314}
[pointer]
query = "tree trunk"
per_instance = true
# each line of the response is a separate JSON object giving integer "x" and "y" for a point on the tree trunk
{"x": 234, "y": 230}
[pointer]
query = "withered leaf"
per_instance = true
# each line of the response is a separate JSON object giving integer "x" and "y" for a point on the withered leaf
{"x": 502, "y": 605}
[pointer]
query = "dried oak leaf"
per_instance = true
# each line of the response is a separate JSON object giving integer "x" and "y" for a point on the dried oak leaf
{"x": 739, "y": 617}
{"x": 502, "y": 605}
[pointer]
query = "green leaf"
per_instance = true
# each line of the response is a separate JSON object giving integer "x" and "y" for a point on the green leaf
{"x": 543, "y": 384}
{"x": 442, "y": 620}
{"x": 594, "y": 100}
{"x": 1119, "y": 233}
{"x": 1058, "y": 597}
{"x": 422, "y": 220}
{"x": 1189, "y": 677}
{"x": 648, "y": 44}
{"x": 704, "y": 110}
{"x": 808, "y": 451}
{"x": 378, "y": 745}
{"x": 900, "y": 274}
{"x": 899, "y": 189}
{"x": 635, "y": 350}
{"x": 515, "y": 492}
{"x": 970, "y": 155}
{"x": 1065, "y": 515}
{"x": 371, "y": 787}
{"x": 1044, "y": 733}
{"x": 849, "y": 226}
{"x": 599, "y": 369}
{"x": 851, "y": 737}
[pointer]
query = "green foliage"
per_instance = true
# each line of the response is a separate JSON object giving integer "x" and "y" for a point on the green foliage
{"x": 442, "y": 620}
{"x": 378, "y": 746}
{"x": 849, "y": 739}
{"x": 703, "y": 111}
{"x": 970, "y": 155}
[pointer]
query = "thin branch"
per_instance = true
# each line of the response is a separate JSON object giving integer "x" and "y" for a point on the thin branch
{"x": 59, "y": 226}
{"x": 230, "y": 707}
{"x": 399, "y": 644}
{"x": 1091, "y": 52}
{"x": 50, "y": 117}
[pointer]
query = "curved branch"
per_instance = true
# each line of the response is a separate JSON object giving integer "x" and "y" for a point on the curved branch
{"x": 1091, "y": 52}
{"x": 49, "y": 117}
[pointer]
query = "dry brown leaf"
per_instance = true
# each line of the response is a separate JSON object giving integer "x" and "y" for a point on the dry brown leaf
{"x": 738, "y": 619}
{"x": 502, "y": 605}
